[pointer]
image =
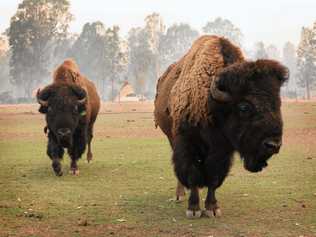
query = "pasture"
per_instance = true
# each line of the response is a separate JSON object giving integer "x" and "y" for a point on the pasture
{"x": 128, "y": 188}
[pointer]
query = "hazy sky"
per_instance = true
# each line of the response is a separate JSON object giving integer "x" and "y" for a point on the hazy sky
{"x": 271, "y": 21}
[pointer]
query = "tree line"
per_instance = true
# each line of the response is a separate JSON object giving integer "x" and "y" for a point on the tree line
{"x": 39, "y": 39}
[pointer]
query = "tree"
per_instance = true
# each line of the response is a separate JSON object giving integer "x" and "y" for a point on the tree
{"x": 4, "y": 64}
{"x": 36, "y": 24}
{"x": 289, "y": 59}
{"x": 140, "y": 58}
{"x": 89, "y": 52}
{"x": 175, "y": 43}
{"x": 144, "y": 63}
{"x": 114, "y": 57}
{"x": 260, "y": 51}
{"x": 306, "y": 63}
{"x": 97, "y": 52}
{"x": 154, "y": 31}
{"x": 273, "y": 52}
{"x": 224, "y": 27}
{"x": 61, "y": 48}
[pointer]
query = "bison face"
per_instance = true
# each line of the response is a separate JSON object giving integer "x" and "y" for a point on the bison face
{"x": 64, "y": 106}
{"x": 254, "y": 128}
{"x": 248, "y": 109}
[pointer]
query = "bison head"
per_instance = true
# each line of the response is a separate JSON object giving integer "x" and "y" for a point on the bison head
{"x": 63, "y": 105}
{"x": 248, "y": 110}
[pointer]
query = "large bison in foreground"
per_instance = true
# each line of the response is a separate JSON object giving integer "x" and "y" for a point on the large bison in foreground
{"x": 211, "y": 103}
{"x": 71, "y": 104}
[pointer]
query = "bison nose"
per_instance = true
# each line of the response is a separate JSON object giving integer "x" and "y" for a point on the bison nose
{"x": 272, "y": 145}
{"x": 63, "y": 132}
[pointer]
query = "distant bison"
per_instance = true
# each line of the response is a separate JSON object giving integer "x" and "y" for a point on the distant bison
{"x": 71, "y": 104}
{"x": 211, "y": 103}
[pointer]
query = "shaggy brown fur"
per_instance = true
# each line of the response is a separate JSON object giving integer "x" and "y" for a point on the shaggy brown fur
{"x": 184, "y": 87}
{"x": 68, "y": 73}
{"x": 211, "y": 103}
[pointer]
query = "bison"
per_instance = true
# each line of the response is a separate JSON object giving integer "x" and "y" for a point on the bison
{"x": 212, "y": 103}
{"x": 71, "y": 104}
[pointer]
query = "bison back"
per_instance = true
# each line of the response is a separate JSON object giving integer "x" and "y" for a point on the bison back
{"x": 163, "y": 90}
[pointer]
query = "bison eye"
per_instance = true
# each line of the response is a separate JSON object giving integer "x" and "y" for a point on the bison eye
{"x": 245, "y": 109}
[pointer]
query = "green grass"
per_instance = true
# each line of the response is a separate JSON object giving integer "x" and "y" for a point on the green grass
{"x": 126, "y": 190}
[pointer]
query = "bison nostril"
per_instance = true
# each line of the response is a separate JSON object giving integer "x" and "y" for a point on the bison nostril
{"x": 63, "y": 131}
{"x": 272, "y": 145}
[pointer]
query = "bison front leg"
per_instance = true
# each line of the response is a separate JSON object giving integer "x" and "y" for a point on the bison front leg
{"x": 211, "y": 207}
{"x": 188, "y": 174}
{"x": 217, "y": 172}
{"x": 55, "y": 153}
{"x": 77, "y": 150}
{"x": 194, "y": 210}
{"x": 74, "y": 167}
{"x": 74, "y": 156}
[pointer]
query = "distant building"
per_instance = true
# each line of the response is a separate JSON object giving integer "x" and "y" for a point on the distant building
{"x": 127, "y": 94}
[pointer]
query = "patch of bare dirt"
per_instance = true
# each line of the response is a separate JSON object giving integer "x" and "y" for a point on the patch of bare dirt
{"x": 106, "y": 107}
{"x": 303, "y": 136}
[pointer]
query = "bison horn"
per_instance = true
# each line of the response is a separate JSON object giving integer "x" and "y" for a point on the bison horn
{"x": 40, "y": 101}
{"x": 83, "y": 100}
{"x": 218, "y": 94}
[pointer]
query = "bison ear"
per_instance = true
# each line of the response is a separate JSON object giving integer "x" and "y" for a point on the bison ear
{"x": 43, "y": 109}
{"x": 79, "y": 92}
{"x": 42, "y": 98}
{"x": 82, "y": 98}
{"x": 273, "y": 68}
{"x": 232, "y": 80}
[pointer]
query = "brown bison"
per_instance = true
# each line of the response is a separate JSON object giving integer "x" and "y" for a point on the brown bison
{"x": 71, "y": 104}
{"x": 211, "y": 103}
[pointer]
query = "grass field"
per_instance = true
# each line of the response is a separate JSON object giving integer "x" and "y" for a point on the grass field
{"x": 127, "y": 189}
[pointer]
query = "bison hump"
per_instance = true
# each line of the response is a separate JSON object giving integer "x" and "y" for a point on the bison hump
{"x": 189, "y": 95}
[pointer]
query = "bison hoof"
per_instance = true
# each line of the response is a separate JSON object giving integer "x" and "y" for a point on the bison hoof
{"x": 74, "y": 172}
{"x": 193, "y": 214}
{"x": 179, "y": 198}
{"x": 213, "y": 212}
{"x": 89, "y": 158}
{"x": 60, "y": 173}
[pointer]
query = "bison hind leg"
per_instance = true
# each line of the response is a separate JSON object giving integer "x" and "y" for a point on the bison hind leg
{"x": 180, "y": 192}
{"x": 90, "y": 136}
{"x": 89, "y": 153}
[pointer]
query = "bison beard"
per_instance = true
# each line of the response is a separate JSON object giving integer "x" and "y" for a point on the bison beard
{"x": 211, "y": 103}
